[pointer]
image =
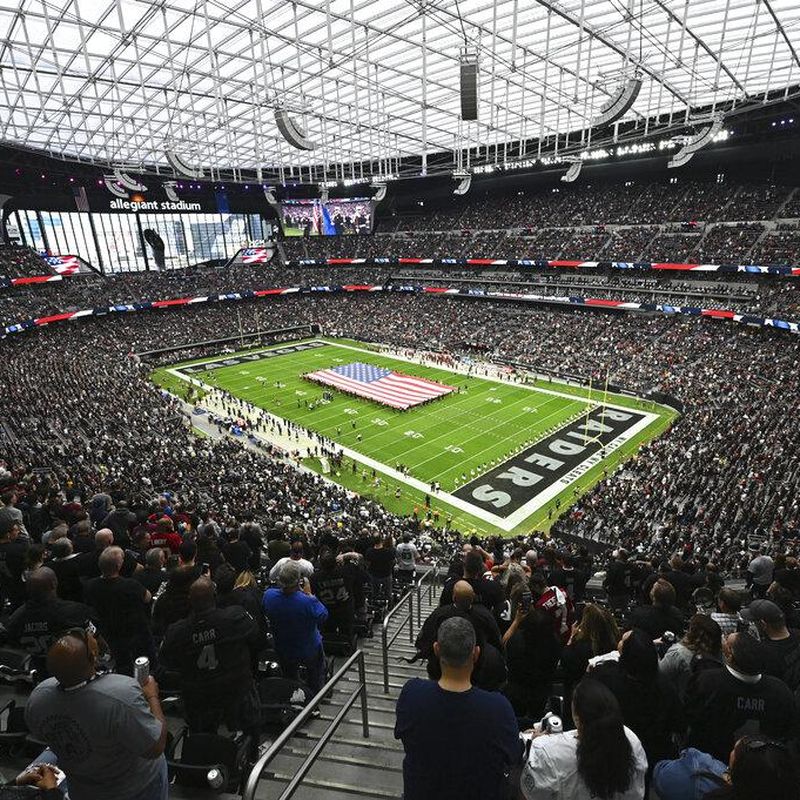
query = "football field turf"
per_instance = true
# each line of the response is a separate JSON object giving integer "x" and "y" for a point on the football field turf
{"x": 509, "y": 456}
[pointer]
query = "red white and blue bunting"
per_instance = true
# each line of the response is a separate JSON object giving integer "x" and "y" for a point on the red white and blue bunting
{"x": 616, "y": 305}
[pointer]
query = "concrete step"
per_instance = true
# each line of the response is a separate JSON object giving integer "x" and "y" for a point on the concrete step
{"x": 313, "y": 789}
{"x": 387, "y": 754}
{"x": 361, "y": 777}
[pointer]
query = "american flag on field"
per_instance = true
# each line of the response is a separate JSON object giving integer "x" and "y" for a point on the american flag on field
{"x": 255, "y": 255}
{"x": 382, "y": 385}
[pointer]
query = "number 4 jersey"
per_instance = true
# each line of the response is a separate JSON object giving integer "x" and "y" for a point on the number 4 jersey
{"x": 212, "y": 650}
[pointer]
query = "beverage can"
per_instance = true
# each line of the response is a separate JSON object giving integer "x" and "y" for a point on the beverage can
{"x": 141, "y": 669}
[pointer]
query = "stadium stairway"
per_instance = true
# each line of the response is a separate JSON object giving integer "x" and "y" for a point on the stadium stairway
{"x": 350, "y": 766}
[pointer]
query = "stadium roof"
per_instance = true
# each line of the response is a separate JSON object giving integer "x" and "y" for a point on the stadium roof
{"x": 123, "y": 81}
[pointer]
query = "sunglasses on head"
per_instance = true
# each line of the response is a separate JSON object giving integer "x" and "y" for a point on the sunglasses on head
{"x": 82, "y": 634}
{"x": 760, "y": 744}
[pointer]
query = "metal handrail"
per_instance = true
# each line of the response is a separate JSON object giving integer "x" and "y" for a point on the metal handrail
{"x": 433, "y": 569}
{"x": 387, "y": 642}
{"x": 361, "y": 690}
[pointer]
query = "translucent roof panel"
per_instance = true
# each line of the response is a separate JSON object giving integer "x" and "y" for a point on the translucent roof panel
{"x": 124, "y": 81}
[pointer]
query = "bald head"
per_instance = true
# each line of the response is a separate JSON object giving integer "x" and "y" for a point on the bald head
{"x": 104, "y": 538}
{"x": 110, "y": 561}
{"x": 70, "y": 660}
{"x": 41, "y": 583}
{"x": 463, "y": 595}
{"x": 202, "y": 595}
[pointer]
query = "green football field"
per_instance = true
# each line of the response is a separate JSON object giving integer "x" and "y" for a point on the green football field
{"x": 453, "y": 440}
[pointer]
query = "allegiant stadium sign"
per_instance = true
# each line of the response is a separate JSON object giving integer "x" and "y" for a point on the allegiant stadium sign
{"x": 152, "y": 205}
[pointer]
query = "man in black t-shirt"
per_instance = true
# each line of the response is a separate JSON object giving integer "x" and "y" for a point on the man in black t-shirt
{"x": 13, "y": 552}
{"x": 333, "y": 586}
{"x": 380, "y": 560}
{"x": 487, "y": 592}
{"x": 722, "y": 705}
{"x": 212, "y": 650}
{"x": 663, "y": 615}
{"x": 154, "y": 575}
{"x": 65, "y": 564}
{"x": 121, "y": 605}
{"x": 237, "y": 553}
{"x": 36, "y": 624}
{"x": 780, "y": 645}
{"x": 620, "y": 582}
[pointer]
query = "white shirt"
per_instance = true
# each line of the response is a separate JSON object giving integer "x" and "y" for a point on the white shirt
{"x": 551, "y": 770}
{"x": 306, "y": 567}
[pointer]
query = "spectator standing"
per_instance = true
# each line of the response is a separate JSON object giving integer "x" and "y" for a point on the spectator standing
{"x": 35, "y": 624}
{"x": 780, "y": 645}
{"x": 407, "y": 558}
{"x": 729, "y": 603}
{"x": 487, "y": 592}
{"x": 121, "y": 605}
{"x": 460, "y": 742}
{"x": 759, "y": 768}
{"x": 333, "y": 585}
{"x": 107, "y": 733}
{"x": 759, "y": 572}
{"x": 10, "y": 514}
{"x": 663, "y": 615}
{"x": 532, "y": 651}
{"x": 295, "y": 616}
{"x": 295, "y": 556}
{"x": 237, "y": 552}
{"x": 13, "y": 557}
{"x": 380, "y": 558}
{"x": 649, "y": 707}
{"x": 601, "y": 759}
{"x": 213, "y": 651}
{"x": 723, "y": 703}
{"x": 700, "y": 648}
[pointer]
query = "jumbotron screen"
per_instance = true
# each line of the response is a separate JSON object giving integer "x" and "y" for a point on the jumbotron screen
{"x": 326, "y": 218}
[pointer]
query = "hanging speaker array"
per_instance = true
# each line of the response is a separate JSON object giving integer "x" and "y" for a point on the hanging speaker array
{"x": 619, "y": 103}
{"x": 131, "y": 184}
{"x": 181, "y": 167}
{"x": 292, "y": 132}
{"x": 469, "y": 86}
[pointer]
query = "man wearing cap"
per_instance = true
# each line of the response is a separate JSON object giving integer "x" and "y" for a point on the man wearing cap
{"x": 724, "y": 704}
{"x": 780, "y": 645}
{"x": 295, "y": 615}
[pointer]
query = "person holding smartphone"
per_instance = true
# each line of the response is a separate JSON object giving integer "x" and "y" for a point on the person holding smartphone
{"x": 296, "y": 615}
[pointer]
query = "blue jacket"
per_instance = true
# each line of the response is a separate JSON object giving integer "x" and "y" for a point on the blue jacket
{"x": 295, "y": 620}
{"x": 686, "y": 778}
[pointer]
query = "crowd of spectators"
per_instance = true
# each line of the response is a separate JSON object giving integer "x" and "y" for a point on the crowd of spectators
{"x": 103, "y": 481}
{"x": 21, "y": 262}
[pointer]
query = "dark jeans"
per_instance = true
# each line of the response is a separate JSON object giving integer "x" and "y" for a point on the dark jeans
{"x": 381, "y": 588}
{"x": 315, "y": 669}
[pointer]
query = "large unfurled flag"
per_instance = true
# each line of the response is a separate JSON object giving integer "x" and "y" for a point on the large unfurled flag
{"x": 382, "y": 385}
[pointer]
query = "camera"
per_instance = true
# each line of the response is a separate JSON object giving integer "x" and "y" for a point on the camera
{"x": 551, "y": 723}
